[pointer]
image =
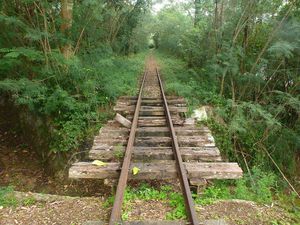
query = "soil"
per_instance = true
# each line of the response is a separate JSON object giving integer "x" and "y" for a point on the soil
{"x": 244, "y": 212}
{"x": 21, "y": 168}
{"x": 79, "y": 210}
{"x": 76, "y": 211}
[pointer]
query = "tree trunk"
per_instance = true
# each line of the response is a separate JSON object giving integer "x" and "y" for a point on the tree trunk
{"x": 245, "y": 47}
{"x": 197, "y": 12}
{"x": 66, "y": 15}
{"x": 216, "y": 27}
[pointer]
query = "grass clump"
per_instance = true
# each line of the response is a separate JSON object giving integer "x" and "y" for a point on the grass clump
{"x": 7, "y": 197}
{"x": 146, "y": 192}
{"x": 165, "y": 193}
{"x": 256, "y": 187}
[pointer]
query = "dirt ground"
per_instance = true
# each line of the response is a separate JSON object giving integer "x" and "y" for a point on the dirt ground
{"x": 79, "y": 210}
{"x": 21, "y": 168}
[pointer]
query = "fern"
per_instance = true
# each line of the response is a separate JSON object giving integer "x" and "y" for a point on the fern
{"x": 12, "y": 21}
{"x": 282, "y": 49}
{"x": 30, "y": 53}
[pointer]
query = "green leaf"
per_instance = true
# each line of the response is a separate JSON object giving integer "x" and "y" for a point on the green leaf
{"x": 13, "y": 55}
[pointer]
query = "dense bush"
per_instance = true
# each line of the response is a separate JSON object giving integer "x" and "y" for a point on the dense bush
{"x": 70, "y": 67}
{"x": 241, "y": 58}
{"x": 72, "y": 101}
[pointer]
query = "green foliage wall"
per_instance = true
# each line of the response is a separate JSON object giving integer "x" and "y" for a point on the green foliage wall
{"x": 75, "y": 95}
{"x": 242, "y": 58}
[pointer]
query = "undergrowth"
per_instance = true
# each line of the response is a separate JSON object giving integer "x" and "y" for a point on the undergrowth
{"x": 182, "y": 81}
{"x": 261, "y": 135}
{"x": 256, "y": 186}
{"x": 75, "y": 96}
{"x": 146, "y": 192}
{"x": 8, "y": 199}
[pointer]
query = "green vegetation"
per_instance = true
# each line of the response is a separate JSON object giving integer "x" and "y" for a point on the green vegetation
{"x": 8, "y": 199}
{"x": 146, "y": 192}
{"x": 69, "y": 68}
{"x": 119, "y": 152}
{"x": 258, "y": 187}
{"x": 67, "y": 62}
{"x": 240, "y": 58}
{"x": 245, "y": 132}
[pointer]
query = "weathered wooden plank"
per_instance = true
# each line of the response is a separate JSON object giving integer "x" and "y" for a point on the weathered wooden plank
{"x": 122, "y": 120}
{"x": 157, "y": 121}
{"x": 155, "y": 141}
{"x": 150, "y": 108}
{"x": 184, "y": 141}
{"x": 157, "y": 171}
{"x": 114, "y": 130}
{"x": 179, "y": 101}
{"x": 130, "y": 109}
{"x": 154, "y": 131}
{"x": 170, "y": 97}
{"x": 112, "y": 134}
{"x": 222, "y": 170}
{"x": 154, "y": 153}
{"x": 109, "y": 142}
{"x": 165, "y": 131}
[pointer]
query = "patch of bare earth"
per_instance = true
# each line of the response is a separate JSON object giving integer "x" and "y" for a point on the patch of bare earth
{"x": 79, "y": 210}
{"x": 243, "y": 212}
{"x": 63, "y": 212}
{"x": 147, "y": 210}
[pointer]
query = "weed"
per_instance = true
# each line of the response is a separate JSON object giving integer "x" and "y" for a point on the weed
{"x": 178, "y": 205}
{"x": 28, "y": 201}
{"x": 125, "y": 216}
{"x": 256, "y": 187}
{"x": 109, "y": 201}
{"x": 7, "y": 197}
{"x": 119, "y": 152}
{"x": 213, "y": 193}
{"x": 146, "y": 192}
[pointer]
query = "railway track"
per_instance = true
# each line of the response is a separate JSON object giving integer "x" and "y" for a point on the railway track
{"x": 159, "y": 142}
{"x": 165, "y": 116}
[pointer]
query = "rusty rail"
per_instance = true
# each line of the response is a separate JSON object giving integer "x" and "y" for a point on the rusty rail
{"x": 115, "y": 216}
{"x": 189, "y": 203}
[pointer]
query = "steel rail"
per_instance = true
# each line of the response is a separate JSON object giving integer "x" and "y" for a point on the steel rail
{"x": 189, "y": 203}
{"x": 115, "y": 217}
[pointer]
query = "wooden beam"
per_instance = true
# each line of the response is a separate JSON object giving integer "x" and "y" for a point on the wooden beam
{"x": 122, "y": 120}
{"x": 203, "y": 154}
{"x": 157, "y": 171}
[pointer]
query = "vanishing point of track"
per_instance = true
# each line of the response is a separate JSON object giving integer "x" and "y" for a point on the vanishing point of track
{"x": 122, "y": 183}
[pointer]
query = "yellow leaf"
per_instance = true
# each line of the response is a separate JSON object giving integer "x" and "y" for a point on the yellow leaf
{"x": 135, "y": 170}
{"x": 98, "y": 163}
